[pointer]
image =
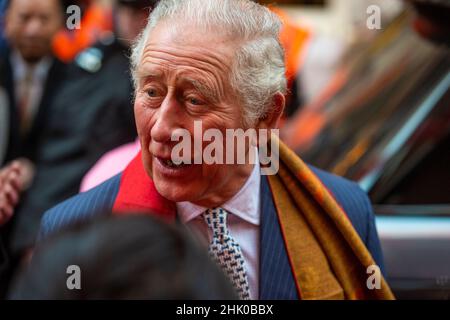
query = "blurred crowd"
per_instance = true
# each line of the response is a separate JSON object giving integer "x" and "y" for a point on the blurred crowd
{"x": 66, "y": 100}
{"x": 67, "y": 124}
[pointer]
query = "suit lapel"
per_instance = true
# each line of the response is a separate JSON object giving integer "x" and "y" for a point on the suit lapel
{"x": 16, "y": 142}
{"x": 8, "y": 84}
{"x": 52, "y": 83}
{"x": 276, "y": 280}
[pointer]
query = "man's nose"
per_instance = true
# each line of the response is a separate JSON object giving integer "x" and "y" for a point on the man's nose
{"x": 33, "y": 27}
{"x": 167, "y": 120}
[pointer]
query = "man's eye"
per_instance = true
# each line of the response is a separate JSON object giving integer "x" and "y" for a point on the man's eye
{"x": 152, "y": 93}
{"x": 24, "y": 17}
{"x": 44, "y": 19}
{"x": 195, "y": 101}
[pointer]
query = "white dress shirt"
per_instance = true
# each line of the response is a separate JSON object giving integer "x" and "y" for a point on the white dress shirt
{"x": 243, "y": 223}
{"x": 39, "y": 72}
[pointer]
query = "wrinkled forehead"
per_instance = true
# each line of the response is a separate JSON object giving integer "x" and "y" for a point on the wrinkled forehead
{"x": 194, "y": 40}
{"x": 188, "y": 45}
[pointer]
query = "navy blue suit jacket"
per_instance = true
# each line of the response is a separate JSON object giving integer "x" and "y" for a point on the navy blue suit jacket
{"x": 276, "y": 278}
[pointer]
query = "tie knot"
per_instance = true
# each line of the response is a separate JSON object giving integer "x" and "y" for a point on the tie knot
{"x": 216, "y": 219}
{"x": 28, "y": 76}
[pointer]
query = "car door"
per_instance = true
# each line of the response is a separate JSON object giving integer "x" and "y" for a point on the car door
{"x": 416, "y": 244}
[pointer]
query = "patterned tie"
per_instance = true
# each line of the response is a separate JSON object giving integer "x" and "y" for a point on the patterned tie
{"x": 226, "y": 252}
{"x": 24, "y": 101}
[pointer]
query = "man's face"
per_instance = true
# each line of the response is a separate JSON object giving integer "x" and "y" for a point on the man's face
{"x": 30, "y": 26}
{"x": 182, "y": 79}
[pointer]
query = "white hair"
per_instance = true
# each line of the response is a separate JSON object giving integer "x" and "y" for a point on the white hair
{"x": 258, "y": 70}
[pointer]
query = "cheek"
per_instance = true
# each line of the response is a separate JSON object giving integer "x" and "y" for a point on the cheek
{"x": 228, "y": 117}
{"x": 144, "y": 123}
{"x": 53, "y": 29}
{"x": 144, "y": 118}
{"x": 213, "y": 177}
{"x": 14, "y": 31}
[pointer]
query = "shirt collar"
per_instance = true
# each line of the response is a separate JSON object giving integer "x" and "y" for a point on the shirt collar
{"x": 244, "y": 204}
{"x": 40, "y": 69}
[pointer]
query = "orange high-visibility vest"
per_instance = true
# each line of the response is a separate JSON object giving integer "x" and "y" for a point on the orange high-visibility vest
{"x": 96, "y": 21}
{"x": 294, "y": 39}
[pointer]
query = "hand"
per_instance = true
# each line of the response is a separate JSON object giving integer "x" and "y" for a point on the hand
{"x": 14, "y": 178}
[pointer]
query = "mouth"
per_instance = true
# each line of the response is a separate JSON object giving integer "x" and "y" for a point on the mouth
{"x": 167, "y": 168}
{"x": 168, "y": 163}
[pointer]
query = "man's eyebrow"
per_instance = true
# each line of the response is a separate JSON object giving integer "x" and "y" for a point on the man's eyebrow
{"x": 144, "y": 74}
{"x": 201, "y": 87}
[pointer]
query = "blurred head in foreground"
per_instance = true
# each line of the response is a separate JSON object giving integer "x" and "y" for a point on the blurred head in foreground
{"x": 128, "y": 257}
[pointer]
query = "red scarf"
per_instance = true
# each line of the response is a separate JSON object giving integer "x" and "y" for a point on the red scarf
{"x": 137, "y": 193}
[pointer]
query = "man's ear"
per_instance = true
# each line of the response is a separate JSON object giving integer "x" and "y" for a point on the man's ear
{"x": 272, "y": 118}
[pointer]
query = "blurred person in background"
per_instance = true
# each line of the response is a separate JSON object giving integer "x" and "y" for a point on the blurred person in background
{"x": 122, "y": 257}
{"x": 91, "y": 114}
{"x": 96, "y": 21}
{"x": 14, "y": 178}
{"x": 112, "y": 163}
{"x": 30, "y": 76}
{"x": 4, "y": 123}
{"x": 29, "y": 72}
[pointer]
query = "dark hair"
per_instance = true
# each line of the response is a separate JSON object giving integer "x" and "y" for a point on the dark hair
{"x": 62, "y": 5}
{"x": 128, "y": 257}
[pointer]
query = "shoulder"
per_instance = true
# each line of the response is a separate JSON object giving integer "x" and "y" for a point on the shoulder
{"x": 95, "y": 59}
{"x": 110, "y": 163}
{"x": 351, "y": 198}
{"x": 358, "y": 208}
{"x": 80, "y": 207}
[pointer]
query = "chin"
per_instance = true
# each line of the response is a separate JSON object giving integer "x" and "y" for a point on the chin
{"x": 174, "y": 193}
{"x": 32, "y": 57}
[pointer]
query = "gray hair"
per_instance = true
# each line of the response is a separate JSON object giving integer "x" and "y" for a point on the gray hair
{"x": 258, "y": 70}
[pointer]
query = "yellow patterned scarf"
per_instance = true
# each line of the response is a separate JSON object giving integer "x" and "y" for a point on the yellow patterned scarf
{"x": 328, "y": 257}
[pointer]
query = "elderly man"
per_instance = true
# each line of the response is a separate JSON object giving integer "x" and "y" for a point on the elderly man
{"x": 299, "y": 233}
